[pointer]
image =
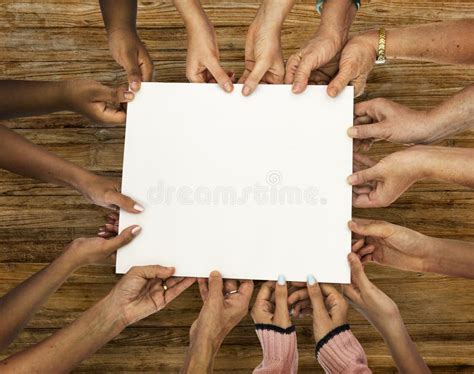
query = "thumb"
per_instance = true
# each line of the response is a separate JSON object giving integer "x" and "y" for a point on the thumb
{"x": 124, "y": 202}
{"x": 377, "y": 130}
{"x": 358, "y": 276}
{"x": 220, "y": 76}
{"x": 216, "y": 286}
{"x": 132, "y": 68}
{"x": 303, "y": 73}
{"x": 344, "y": 76}
{"x": 370, "y": 228}
{"x": 363, "y": 176}
{"x": 254, "y": 78}
{"x": 281, "y": 316}
{"x": 125, "y": 237}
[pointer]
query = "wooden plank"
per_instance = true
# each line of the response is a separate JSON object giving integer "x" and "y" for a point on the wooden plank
{"x": 160, "y": 14}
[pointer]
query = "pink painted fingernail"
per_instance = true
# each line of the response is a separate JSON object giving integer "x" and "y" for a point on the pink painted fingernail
{"x": 138, "y": 207}
{"x": 297, "y": 88}
{"x": 228, "y": 87}
{"x": 246, "y": 91}
{"x": 128, "y": 95}
{"x": 352, "y": 132}
{"x": 136, "y": 230}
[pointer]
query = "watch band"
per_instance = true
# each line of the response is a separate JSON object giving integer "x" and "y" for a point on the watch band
{"x": 319, "y": 4}
{"x": 381, "y": 59}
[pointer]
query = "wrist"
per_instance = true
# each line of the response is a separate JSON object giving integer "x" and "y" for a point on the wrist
{"x": 336, "y": 20}
{"x": 111, "y": 321}
{"x": 273, "y": 13}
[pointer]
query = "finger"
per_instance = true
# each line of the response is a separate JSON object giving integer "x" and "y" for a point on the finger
{"x": 246, "y": 290}
{"x": 132, "y": 68}
{"x": 230, "y": 285}
{"x": 344, "y": 76}
{"x": 376, "y": 130}
{"x": 369, "y": 200}
{"x": 351, "y": 293}
{"x": 370, "y": 228}
{"x": 203, "y": 288}
{"x": 266, "y": 291}
{"x": 152, "y": 271}
{"x": 364, "y": 160}
{"x": 125, "y": 237}
{"x": 317, "y": 301}
{"x": 366, "y": 251}
{"x": 254, "y": 78}
{"x": 303, "y": 73}
{"x": 363, "y": 176}
{"x": 291, "y": 66}
{"x": 216, "y": 286}
{"x": 358, "y": 245}
{"x": 177, "y": 289}
{"x": 281, "y": 316}
{"x": 298, "y": 296}
{"x": 220, "y": 76}
{"x": 124, "y": 202}
{"x": 146, "y": 66}
{"x": 358, "y": 276}
{"x": 300, "y": 306}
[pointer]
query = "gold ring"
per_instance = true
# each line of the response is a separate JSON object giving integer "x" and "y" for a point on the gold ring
{"x": 165, "y": 287}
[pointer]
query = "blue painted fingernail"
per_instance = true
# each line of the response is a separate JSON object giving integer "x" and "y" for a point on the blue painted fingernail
{"x": 311, "y": 279}
{"x": 281, "y": 280}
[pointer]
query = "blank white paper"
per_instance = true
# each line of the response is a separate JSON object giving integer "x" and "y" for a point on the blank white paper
{"x": 251, "y": 186}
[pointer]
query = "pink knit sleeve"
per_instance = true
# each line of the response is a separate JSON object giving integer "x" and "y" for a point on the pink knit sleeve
{"x": 280, "y": 351}
{"x": 340, "y": 352}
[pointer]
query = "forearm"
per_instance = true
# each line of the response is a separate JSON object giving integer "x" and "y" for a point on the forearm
{"x": 64, "y": 350}
{"x": 403, "y": 350}
{"x": 26, "y": 98}
{"x": 454, "y": 165}
{"x": 119, "y": 15}
{"x": 201, "y": 353}
{"x": 447, "y": 42}
{"x": 453, "y": 115}
{"x": 451, "y": 257}
{"x": 20, "y": 156}
{"x": 336, "y": 20}
{"x": 19, "y": 305}
{"x": 191, "y": 12}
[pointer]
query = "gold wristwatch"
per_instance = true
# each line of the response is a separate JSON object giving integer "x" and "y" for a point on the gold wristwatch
{"x": 381, "y": 51}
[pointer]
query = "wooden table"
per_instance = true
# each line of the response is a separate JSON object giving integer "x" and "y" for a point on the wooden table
{"x": 59, "y": 39}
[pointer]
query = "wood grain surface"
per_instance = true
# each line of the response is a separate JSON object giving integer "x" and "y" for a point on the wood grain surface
{"x": 59, "y": 39}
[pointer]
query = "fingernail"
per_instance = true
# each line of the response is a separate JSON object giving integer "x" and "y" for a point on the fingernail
{"x": 135, "y": 85}
{"x": 215, "y": 273}
{"x": 352, "y": 132}
{"x": 297, "y": 88}
{"x": 281, "y": 280}
{"x": 332, "y": 92}
{"x": 311, "y": 280}
{"x": 246, "y": 91}
{"x": 351, "y": 179}
{"x": 101, "y": 233}
{"x": 228, "y": 87}
{"x": 138, "y": 207}
{"x": 128, "y": 95}
{"x": 136, "y": 230}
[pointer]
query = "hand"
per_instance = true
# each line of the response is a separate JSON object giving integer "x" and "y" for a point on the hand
{"x": 97, "y": 102}
{"x": 377, "y": 307}
{"x": 391, "y": 245}
{"x": 221, "y": 311}
{"x": 106, "y": 192}
{"x": 140, "y": 292}
{"x": 263, "y": 54}
{"x": 131, "y": 54}
{"x": 271, "y": 305}
{"x": 384, "y": 119}
{"x": 357, "y": 60}
{"x": 202, "y": 61}
{"x": 88, "y": 251}
{"x": 380, "y": 184}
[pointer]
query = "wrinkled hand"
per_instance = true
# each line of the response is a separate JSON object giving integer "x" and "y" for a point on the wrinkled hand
{"x": 140, "y": 292}
{"x": 357, "y": 60}
{"x": 202, "y": 61}
{"x": 391, "y": 245}
{"x": 221, "y": 310}
{"x": 130, "y": 53}
{"x": 370, "y": 301}
{"x": 88, "y": 251}
{"x": 97, "y": 102}
{"x": 384, "y": 119}
{"x": 106, "y": 192}
{"x": 316, "y": 62}
{"x": 271, "y": 305}
{"x": 263, "y": 54}
{"x": 378, "y": 184}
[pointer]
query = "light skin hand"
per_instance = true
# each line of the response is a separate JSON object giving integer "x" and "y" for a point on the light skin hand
{"x": 390, "y": 245}
{"x": 263, "y": 53}
{"x": 125, "y": 45}
{"x": 321, "y": 50}
{"x": 220, "y": 313}
{"x": 380, "y": 184}
{"x": 271, "y": 305}
{"x": 382, "y": 312}
{"x": 202, "y": 60}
